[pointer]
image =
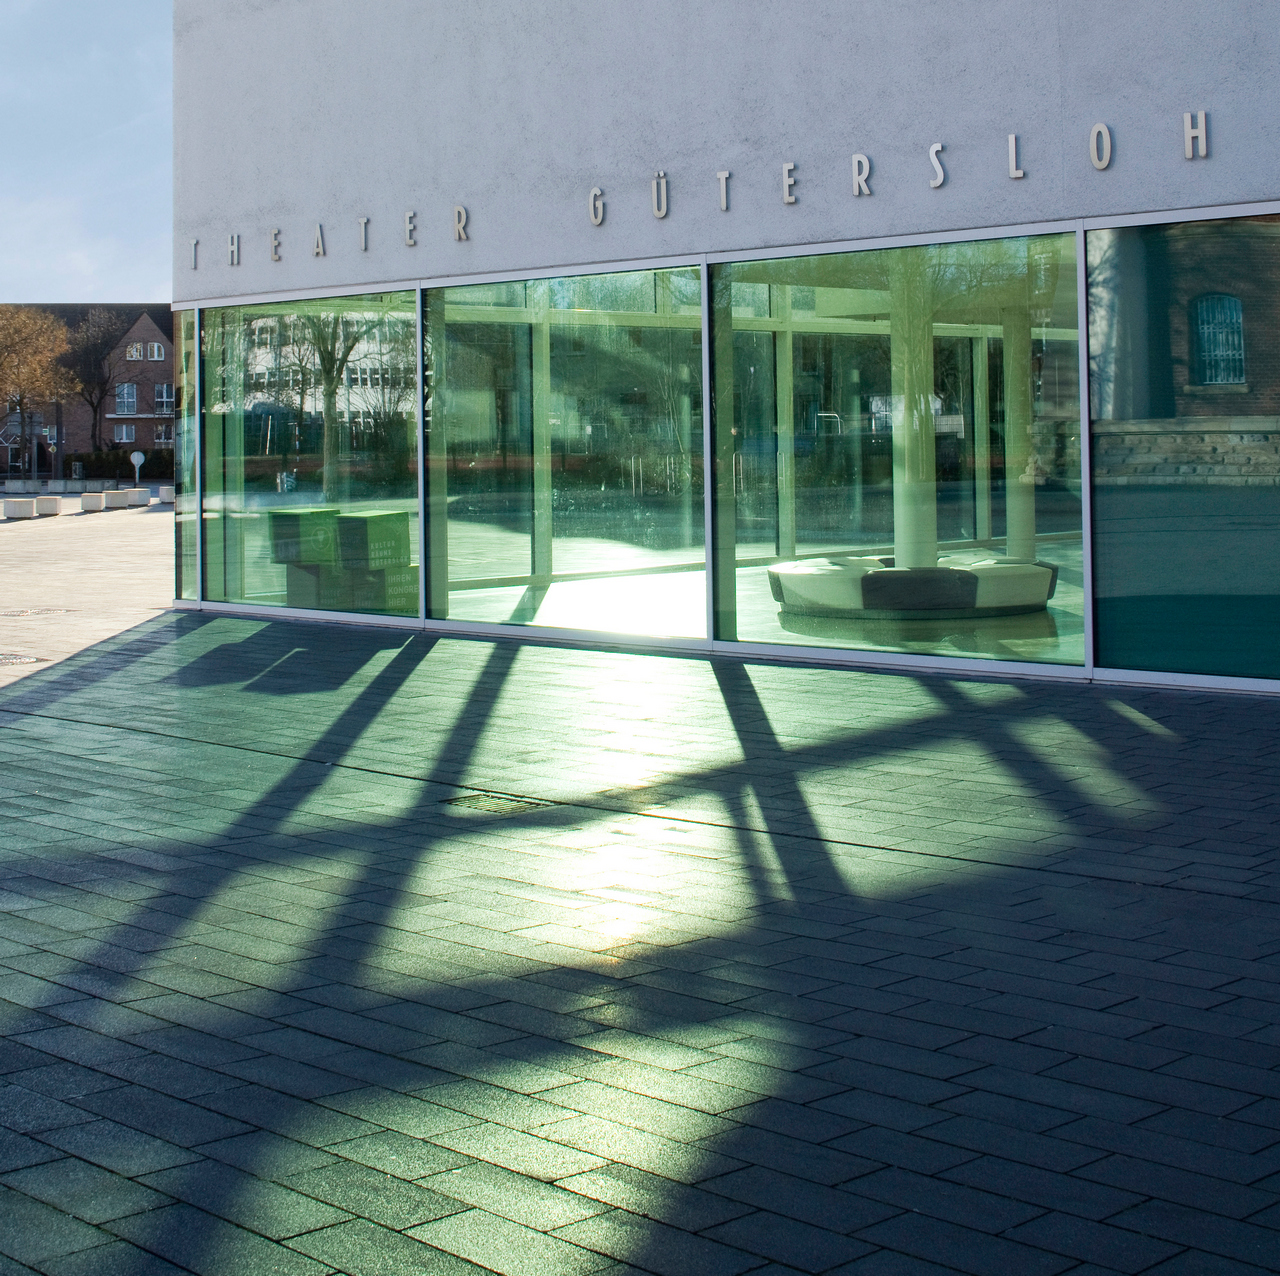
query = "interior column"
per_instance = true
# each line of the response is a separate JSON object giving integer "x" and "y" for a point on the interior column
{"x": 542, "y": 530}
{"x": 1019, "y": 459}
{"x": 915, "y": 510}
{"x": 784, "y": 348}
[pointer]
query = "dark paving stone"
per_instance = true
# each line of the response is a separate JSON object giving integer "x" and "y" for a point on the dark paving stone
{"x": 799, "y": 1245}
{"x": 119, "y": 1258}
{"x": 201, "y": 1243}
{"x": 17, "y": 1151}
{"x": 368, "y": 1193}
{"x": 815, "y": 970}
{"x": 266, "y": 1155}
{"x": 83, "y": 1190}
{"x": 263, "y": 1207}
{"x": 365, "y": 1249}
{"x": 32, "y": 1232}
{"x": 162, "y": 1116}
{"x": 971, "y": 1251}
{"x": 117, "y": 1147}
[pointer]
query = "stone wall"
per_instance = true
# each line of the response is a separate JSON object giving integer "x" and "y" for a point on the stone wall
{"x": 1207, "y": 451}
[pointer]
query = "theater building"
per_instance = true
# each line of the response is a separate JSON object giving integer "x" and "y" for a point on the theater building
{"x": 897, "y": 335}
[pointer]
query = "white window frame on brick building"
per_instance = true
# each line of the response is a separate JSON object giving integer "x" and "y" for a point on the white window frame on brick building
{"x": 126, "y": 399}
{"x": 155, "y": 351}
{"x": 133, "y": 351}
{"x": 123, "y": 432}
{"x": 1217, "y": 322}
{"x": 164, "y": 399}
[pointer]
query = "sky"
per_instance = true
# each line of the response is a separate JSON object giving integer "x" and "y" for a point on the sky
{"x": 86, "y": 192}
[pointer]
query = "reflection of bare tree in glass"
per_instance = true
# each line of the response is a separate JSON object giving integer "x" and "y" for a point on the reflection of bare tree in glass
{"x": 315, "y": 347}
{"x": 384, "y": 399}
{"x": 330, "y": 338}
{"x": 294, "y": 370}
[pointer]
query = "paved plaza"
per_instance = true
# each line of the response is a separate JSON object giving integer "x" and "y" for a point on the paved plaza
{"x": 334, "y": 949}
{"x": 71, "y": 581}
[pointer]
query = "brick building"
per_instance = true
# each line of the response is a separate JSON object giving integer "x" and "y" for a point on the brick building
{"x": 138, "y": 412}
{"x": 1201, "y": 405}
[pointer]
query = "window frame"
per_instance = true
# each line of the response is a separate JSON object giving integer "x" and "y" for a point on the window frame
{"x": 129, "y": 390}
{"x": 1226, "y": 329}
{"x": 821, "y": 657}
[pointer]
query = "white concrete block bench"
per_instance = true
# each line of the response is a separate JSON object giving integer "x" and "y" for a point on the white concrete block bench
{"x": 138, "y": 495}
{"x": 48, "y": 505}
{"x": 20, "y": 508}
{"x": 115, "y": 500}
{"x": 92, "y": 502}
{"x": 167, "y": 495}
{"x": 873, "y": 588}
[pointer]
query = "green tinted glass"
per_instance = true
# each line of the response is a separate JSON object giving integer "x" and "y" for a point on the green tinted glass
{"x": 565, "y": 453}
{"x": 897, "y": 444}
{"x": 1186, "y": 467}
{"x": 310, "y": 454}
{"x": 185, "y": 442}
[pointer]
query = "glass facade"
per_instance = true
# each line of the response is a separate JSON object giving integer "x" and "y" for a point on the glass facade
{"x": 891, "y": 458}
{"x": 1185, "y": 445}
{"x": 310, "y": 454}
{"x": 186, "y": 446}
{"x": 564, "y": 454}
{"x": 898, "y": 450}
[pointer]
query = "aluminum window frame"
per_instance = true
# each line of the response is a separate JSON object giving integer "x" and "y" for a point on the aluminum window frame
{"x": 833, "y": 657}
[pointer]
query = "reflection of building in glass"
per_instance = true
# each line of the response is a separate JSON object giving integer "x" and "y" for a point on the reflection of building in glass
{"x": 310, "y": 458}
{"x": 1186, "y": 443}
{"x": 1030, "y": 424}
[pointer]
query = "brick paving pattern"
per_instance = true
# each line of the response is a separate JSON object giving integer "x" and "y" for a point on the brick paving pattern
{"x": 716, "y": 967}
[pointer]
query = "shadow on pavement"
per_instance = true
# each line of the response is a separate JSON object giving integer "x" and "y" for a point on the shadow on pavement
{"x": 879, "y": 974}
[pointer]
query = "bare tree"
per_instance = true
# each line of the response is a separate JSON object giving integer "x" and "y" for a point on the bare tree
{"x": 94, "y": 358}
{"x": 31, "y": 345}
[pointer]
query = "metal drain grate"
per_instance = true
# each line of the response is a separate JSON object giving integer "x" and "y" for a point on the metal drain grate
{"x": 12, "y": 658}
{"x": 37, "y": 611}
{"x": 496, "y": 803}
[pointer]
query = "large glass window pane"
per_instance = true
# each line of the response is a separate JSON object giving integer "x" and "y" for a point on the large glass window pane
{"x": 187, "y": 497}
{"x": 310, "y": 454}
{"x": 897, "y": 442}
{"x": 564, "y": 426}
{"x": 1186, "y": 464}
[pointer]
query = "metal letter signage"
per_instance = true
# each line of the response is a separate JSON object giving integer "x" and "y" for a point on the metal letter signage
{"x": 940, "y": 175}
{"x": 1100, "y": 146}
{"x": 660, "y": 194}
{"x": 1199, "y": 133}
{"x": 1195, "y": 145}
{"x": 861, "y": 171}
{"x": 1014, "y": 170}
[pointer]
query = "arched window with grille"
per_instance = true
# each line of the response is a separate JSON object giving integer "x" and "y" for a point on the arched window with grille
{"x": 1217, "y": 321}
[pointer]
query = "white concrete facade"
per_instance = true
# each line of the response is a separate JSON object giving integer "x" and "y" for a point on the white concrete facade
{"x": 304, "y": 113}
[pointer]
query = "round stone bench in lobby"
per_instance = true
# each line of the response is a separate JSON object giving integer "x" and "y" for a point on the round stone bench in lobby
{"x": 853, "y": 587}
